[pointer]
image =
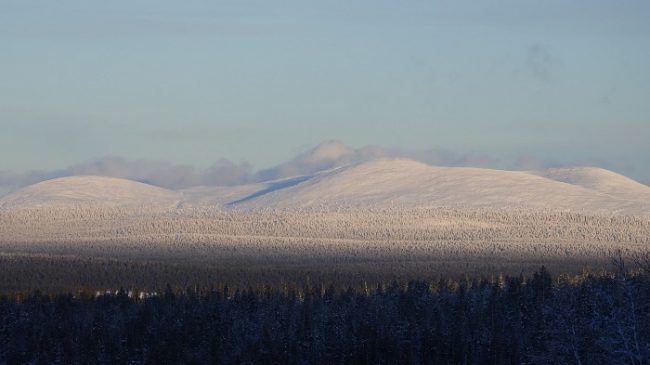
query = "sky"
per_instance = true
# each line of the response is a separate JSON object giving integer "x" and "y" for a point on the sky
{"x": 522, "y": 83}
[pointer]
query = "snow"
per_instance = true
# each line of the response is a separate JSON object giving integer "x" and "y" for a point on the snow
{"x": 378, "y": 183}
{"x": 406, "y": 183}
{"x": 90, "y": 190}
{"x": 600, "y": 180}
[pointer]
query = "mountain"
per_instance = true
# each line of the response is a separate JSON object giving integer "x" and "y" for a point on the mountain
{"x": 89, "y": 190}
{"x": 377, "y": 183}
{"x": 326, "y": 155}
{"x": 407, "y": 183}
{"x": 330, "y": 150}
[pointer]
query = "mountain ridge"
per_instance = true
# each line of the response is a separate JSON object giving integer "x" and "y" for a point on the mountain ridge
{"x": 376, "y": 183}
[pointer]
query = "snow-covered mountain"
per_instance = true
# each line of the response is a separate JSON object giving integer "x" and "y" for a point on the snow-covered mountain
{"x": 90, "y": 190}
{"x": 406, "y": 183}
{"x": 377, "y": 183}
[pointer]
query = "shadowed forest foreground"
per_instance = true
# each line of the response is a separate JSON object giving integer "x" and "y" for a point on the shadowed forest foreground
{"x": 590, "y": 319}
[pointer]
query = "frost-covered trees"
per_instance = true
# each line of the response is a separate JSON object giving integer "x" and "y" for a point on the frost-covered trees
{"x": 344, "y": 234}
{"x": 510, "y": 320}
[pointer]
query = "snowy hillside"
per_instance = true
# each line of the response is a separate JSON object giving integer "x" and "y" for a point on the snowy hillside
{"x": 380, "y": 183}
{"x": 406, "y": 183}
{"x": 600, "y": 180}
{"x": 89, "y": 190}
{"x": 383, "y": 211}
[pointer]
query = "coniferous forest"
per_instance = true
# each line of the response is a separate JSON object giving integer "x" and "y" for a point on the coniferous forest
{"x": 422, "y": 286}
{"x": 597, "y": 318}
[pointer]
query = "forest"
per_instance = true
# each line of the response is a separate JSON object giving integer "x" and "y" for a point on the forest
{"x": 206, "y": 245}
{"x": 385, "y": 286}
{"x": 592, "y": 318}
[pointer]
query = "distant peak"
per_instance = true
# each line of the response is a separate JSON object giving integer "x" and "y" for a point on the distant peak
{"x": 330, "y": 150}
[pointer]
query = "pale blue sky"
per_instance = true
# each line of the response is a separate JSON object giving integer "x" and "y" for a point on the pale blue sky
{"x": 258, "y": 81}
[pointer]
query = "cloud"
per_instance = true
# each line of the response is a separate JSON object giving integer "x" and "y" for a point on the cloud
{"x": 540, "y": 61}
{"x": 173, "y": 176}
{"x": 226, "y": 172}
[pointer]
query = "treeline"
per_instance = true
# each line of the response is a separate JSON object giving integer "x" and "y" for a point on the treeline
{"x": 588, "y": 319}
{"x": 25, "y": 273}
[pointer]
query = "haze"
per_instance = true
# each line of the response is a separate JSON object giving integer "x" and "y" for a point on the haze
{"x": 518, "y": 83}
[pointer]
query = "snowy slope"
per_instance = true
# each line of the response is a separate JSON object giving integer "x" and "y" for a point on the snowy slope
{"x": 600, "y": 180}
{"x": 218, "y": 196}
{"x": 89, "y": 190}
{"x": 378, "y": 183}
{"x": 398, "y": 182}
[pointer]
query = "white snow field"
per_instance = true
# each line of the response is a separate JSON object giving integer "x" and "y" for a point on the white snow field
{"x": 380, "y": 183}
{"x": 89, "y": 190}
{"x": 405, "y": 183}
{"x": 387, "y": 214}
{"x": 601, "y": 180}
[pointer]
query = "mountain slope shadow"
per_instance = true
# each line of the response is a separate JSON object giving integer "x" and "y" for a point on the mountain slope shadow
{"x": 271, "y": 187}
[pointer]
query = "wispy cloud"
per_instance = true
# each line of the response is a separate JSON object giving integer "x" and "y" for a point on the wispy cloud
{"x": 174, "y": 176}
{"x": 540, "y": 61}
